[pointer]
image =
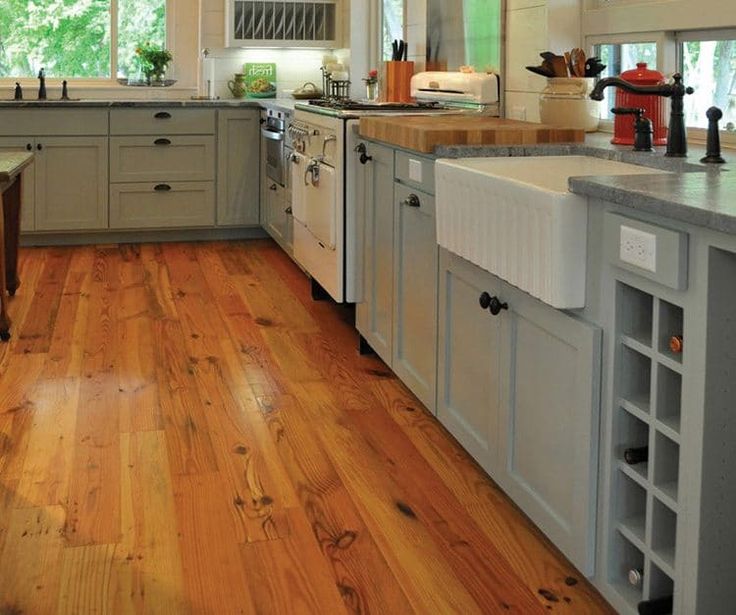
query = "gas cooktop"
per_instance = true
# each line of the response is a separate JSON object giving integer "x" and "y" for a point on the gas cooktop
{"x": 359, "y": 105}
{"x": 355, "y": 108}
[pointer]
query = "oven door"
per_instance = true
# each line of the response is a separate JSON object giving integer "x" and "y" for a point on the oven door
{"x": 274, "y": 143}
{"x": 314, "y": 198}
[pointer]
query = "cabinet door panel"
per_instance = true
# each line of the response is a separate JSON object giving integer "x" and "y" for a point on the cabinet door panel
{"x": 550, "y": 422}
{"x": 376, "y": 205}
{"x": 415, "y": 294}
{"x": 469, "y": 388}
{"x": 71, "y": 183}
{"x": 12, "y": 144}
{"x": 238, "y": 141}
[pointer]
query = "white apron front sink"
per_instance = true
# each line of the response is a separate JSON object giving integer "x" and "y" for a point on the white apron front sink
{"x": 516, "y": 218}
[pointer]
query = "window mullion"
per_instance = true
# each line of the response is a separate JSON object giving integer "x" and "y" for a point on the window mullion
{"x": 113, "y": 39}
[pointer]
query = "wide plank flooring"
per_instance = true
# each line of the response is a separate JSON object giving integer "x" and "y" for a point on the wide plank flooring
{"x": 183, "y": 430}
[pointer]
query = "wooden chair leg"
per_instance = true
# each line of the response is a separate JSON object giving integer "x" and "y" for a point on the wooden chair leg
{"x": 4, "y": 318}
{"x": 11, "y": 216}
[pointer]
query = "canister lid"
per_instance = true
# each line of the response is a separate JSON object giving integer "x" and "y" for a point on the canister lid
{"x": 643, "y": 75}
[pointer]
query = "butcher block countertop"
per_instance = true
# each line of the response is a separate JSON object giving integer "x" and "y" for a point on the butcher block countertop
{"x": 423, "y": 133}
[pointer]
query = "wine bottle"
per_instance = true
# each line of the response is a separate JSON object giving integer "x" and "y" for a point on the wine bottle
{"x": 657, "y": 606}
{"x": 636, "y": 576}
{"x": 633, "y": 456}
{"x": 676, "y": 344}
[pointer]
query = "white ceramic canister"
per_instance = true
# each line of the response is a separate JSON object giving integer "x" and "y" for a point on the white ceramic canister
{"x": 566, "y": 102}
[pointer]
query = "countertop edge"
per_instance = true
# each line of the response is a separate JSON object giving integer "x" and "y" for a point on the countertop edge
{"x": 665, "y": 208}
{"x": 19, "y": 160}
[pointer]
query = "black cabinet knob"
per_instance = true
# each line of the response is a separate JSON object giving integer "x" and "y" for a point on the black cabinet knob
{"x": 29, "y": 147}
{"x": 39, "y": 147}
{"x": 363, "y": 151}
{"x": 412, "y": 201}
{"x": 494, "y": 304}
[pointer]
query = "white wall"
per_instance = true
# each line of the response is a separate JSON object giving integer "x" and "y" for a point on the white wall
{"x": 533, "y": 26}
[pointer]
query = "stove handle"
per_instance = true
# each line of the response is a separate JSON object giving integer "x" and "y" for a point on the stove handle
{"x": 363, "y": 151}
{"x": 325, "y": 141}
{"x": 272, "y": 135}
{"x": 313, "y": 170}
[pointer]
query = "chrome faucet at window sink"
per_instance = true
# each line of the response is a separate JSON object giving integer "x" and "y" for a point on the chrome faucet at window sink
{"x": 676, "y": 91}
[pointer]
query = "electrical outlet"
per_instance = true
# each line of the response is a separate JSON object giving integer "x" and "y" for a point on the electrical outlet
{"x": 517, "y": 112}
{"x": 638, "y": 248}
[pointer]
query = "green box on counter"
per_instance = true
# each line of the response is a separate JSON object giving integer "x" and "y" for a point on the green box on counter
{"x": 260, "y": 79}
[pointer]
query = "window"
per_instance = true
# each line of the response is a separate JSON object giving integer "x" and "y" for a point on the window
{"x": 708, "y": 63}
{"x": 75, "y": 38}
{"x": 620, "y": 57}
{"x": 393, "y": 24}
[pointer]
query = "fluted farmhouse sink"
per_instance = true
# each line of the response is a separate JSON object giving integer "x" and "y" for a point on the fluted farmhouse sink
{"x": 516, "y": 218}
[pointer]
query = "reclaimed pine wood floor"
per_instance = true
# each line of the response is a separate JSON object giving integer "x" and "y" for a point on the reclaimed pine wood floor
{"x": 182, "y": 430}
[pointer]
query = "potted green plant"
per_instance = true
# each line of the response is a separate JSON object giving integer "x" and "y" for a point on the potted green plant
{"x": 154, "y": 62}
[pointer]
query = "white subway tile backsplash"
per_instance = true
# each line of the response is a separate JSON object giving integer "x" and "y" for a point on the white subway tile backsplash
{"x": 294, "y": 67}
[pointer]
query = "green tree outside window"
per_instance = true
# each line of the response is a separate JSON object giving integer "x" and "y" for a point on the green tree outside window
{"x": 73, "y": 38}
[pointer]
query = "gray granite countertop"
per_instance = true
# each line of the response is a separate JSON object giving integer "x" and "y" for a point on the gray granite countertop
{"x": 12, "y": 163}
{"x": 280, "y": 103}
{"x": 701, "y": 199}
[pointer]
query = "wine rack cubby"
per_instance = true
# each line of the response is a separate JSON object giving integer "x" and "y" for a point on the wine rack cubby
{"x": 646, "y": 445}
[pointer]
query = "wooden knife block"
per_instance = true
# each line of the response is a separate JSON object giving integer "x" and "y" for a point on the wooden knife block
{"x": 398, "y": 81}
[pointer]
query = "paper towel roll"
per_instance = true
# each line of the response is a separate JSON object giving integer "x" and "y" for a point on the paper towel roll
{"x": 207, "y": 79}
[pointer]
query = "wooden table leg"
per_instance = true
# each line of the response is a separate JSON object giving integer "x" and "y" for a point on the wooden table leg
{"x": 11, "y": 214}
{"x": 4, "y": 318}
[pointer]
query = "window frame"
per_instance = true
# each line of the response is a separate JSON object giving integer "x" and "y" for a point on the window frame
{"x": 112, "y": 80}
{"x": 682, "y": 36}
{"x": 664, "y": 45}
{"x": 379, "y": 33}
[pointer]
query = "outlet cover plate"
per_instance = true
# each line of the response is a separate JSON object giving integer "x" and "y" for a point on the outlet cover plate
{"x": 638, "y": 248}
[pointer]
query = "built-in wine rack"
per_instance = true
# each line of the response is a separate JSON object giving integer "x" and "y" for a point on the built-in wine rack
{"x": 647, "y": 410}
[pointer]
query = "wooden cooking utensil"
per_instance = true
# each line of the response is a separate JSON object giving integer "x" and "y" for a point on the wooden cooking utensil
{"x": 577, "y": 57}
{"x": 559, "y": 66}
{"x": 568, "y": 63}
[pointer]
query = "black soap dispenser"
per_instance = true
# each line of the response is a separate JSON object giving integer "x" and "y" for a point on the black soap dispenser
{"x": 18, "y": 92}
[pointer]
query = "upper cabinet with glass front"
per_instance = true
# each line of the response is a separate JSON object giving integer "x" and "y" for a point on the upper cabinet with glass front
{"x": 278, "y": 23}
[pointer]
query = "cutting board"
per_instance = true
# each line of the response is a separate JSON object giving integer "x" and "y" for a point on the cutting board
{"x": 423, "y": 133}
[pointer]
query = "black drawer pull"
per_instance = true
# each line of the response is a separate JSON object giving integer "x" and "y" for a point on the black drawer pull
{"x": 162, "y": 142}
{"x": 163, "y": 115}
{"x": 162, "y": 187}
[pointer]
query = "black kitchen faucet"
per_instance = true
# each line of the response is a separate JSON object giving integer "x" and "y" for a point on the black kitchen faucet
{"x": 677, "y": 136}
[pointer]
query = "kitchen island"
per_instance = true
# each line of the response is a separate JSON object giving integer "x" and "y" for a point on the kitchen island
{"x": 12, "y": 166}
{"x": 549, "y": 400}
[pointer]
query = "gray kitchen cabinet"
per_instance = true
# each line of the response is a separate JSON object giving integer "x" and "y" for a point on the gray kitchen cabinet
{"x": 548, "y": 430}
{"x": 7, "y": 144}
{"x": 238, "y": 156}
{"x": 374, "y": 313}
{"x": 520, "y": 391}
{"x": 469, "y": 360}
{"x": 71, "y": 183}
{"x": 415, "y": 292}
